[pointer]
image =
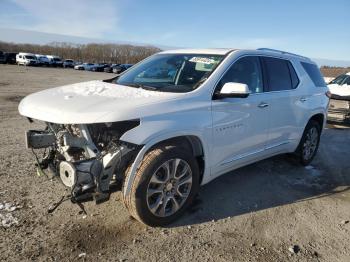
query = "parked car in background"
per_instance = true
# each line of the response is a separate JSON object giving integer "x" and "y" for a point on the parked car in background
{"x": 99, "y": 67}
{"x": 221, "y": 110}
{"x": 2, "y": 57}
{"x": 121, "y": 68}
{"x": 42, "y": 60}
{"x": 340, "y": 86}
{"x": 27, "y": 59}
{"x": 109, "y": 69}
{"x": 10, "y": 57}
{"x": 55, "y": 61}
{"x": 68, "y": 63}
{"x": 84, "y": 66}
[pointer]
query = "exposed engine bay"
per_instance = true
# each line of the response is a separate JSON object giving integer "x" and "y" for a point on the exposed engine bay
{"x": 89, "y": 159}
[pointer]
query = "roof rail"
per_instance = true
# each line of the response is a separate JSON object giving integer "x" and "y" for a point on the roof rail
{"x": 281, "y": 52}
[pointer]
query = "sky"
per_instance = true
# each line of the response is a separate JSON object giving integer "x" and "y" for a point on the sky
{"x": 314, "y": 28}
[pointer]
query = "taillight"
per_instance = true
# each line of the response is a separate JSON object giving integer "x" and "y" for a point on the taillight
{"x": 328, "y": 94}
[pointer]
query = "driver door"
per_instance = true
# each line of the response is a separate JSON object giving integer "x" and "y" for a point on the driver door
{"x": 240, "y": 125}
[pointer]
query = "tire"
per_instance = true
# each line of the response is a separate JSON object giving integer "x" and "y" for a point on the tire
{"x": 148, "y": 207}
{"x": 304, "y": 153}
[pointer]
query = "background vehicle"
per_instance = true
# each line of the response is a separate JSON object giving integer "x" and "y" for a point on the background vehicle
{"x": 26, "y": 59}
{"x": 55, "y": 61}
{"x": 340, "y": 86}
{"x": 99, "y": 67}
{"x": 195, "y": 115}
{"x": 10, "y": 57}
{"x": 68, "y": 63}
{"x": 121, "y": 68}
{"x": 2, "y": 57}
{"x": 84, "y": 66}
{"x": 42, "y": 60}
{"x": 109, "y": 69}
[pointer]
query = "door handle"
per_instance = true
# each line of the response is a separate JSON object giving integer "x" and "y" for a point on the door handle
{"x": 263, "y": 105}
{"x": 303, "y": 99}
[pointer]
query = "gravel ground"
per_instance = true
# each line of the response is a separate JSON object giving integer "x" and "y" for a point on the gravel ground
{"x": 274, "y": 210}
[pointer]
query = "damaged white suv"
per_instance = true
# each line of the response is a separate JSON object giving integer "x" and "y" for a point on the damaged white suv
{"x": 176, "y": 121}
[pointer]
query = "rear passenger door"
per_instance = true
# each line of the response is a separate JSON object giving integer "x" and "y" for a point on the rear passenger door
{"x": 283, "y": 98}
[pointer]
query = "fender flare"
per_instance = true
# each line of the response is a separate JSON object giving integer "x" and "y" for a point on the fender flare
{"x": 138, "y": 159}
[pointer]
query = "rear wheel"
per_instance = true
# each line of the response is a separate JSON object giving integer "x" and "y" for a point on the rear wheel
{"x": 164, "y": 186}
{"x": 309, "y": 143}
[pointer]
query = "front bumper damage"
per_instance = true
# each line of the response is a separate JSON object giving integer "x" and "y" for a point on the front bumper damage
{"x": 89, "y": 159}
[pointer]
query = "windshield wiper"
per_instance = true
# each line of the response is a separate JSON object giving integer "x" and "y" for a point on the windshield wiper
{"x": 142, "y": 86}
{"x": 149, "y": 87}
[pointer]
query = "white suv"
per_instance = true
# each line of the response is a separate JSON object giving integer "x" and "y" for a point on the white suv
{"x": 176, "y": 121}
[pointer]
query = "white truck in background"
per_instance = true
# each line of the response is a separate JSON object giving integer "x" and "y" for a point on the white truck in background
{"x": 26, "y": 59}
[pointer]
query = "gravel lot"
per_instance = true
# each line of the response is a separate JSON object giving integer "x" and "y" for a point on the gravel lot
{"x": 256, "y": 213}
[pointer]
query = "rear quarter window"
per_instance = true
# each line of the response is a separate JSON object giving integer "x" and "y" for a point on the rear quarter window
{"x": 314, "y": 73}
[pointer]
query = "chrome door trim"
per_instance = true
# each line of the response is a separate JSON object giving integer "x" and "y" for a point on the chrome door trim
{"x": 252, "y": 153}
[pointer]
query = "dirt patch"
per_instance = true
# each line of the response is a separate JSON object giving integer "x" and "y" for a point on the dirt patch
{"x": 15, "y": 99}
{"x": 4, "y": 84}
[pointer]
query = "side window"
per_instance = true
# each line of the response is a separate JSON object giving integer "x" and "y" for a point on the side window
{"x": 293, "y": 75}
{"x": 246, "y": 70}
{"x": 314, "y": 73}
{"x": 347, "y": 81}
{"x": 280, "y": 74}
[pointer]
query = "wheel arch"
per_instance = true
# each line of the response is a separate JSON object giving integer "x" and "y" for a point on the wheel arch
{"x": 189, "y": 141}
{"x": 319, "y": 118}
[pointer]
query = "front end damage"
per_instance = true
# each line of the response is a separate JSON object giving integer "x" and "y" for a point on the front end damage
{"x": 90, "y": 159}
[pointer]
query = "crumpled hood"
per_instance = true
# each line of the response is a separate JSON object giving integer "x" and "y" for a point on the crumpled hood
{"x": 90, "y": 102}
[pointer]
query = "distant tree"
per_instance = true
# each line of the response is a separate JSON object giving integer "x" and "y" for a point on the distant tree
{"x": 93, "y": 52}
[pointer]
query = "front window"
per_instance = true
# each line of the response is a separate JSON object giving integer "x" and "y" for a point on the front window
{"x": 246, "y": 70}
{"x": 30, "y": 57}
{"x": 171, "y": 72}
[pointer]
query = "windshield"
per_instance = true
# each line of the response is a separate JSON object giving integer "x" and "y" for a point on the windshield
{"x": 171, "y": 72}
{"x": 56, "y": 59}
{"x": 30, "y": 57}
{"x": 339, "y": 80}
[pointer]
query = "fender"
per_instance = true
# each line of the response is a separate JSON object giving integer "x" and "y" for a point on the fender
{"x": 137, "y": 162}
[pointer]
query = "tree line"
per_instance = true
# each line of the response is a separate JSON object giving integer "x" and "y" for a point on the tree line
{"x": 334, "y": 71}
{"x": 92, "y": 53}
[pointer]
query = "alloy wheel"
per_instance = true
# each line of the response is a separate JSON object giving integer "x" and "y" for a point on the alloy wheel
{"x": 169, "y": 187}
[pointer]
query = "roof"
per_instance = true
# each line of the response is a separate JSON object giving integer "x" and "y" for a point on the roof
{"x": 224, "y": 51}
{"x": 211, "y": 51}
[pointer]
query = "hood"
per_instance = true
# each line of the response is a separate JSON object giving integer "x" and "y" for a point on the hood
{"x": 91, "y": 102}
{"x": 336, "y": 89}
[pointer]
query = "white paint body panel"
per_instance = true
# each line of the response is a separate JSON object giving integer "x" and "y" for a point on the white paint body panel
{"x": 340, "y": 90}
{"x": 22, "y": 60}
{"x": 233, "y": 131}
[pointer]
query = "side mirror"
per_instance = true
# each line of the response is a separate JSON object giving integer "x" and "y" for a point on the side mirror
{"x": 232, "y": 89}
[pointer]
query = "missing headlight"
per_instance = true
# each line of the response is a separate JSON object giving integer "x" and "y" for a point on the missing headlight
{"x": 105, "y": 134}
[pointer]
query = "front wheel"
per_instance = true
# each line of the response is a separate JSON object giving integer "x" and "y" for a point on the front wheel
{"x": 309, "y": 143}
{"x": 164, "y": 186}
